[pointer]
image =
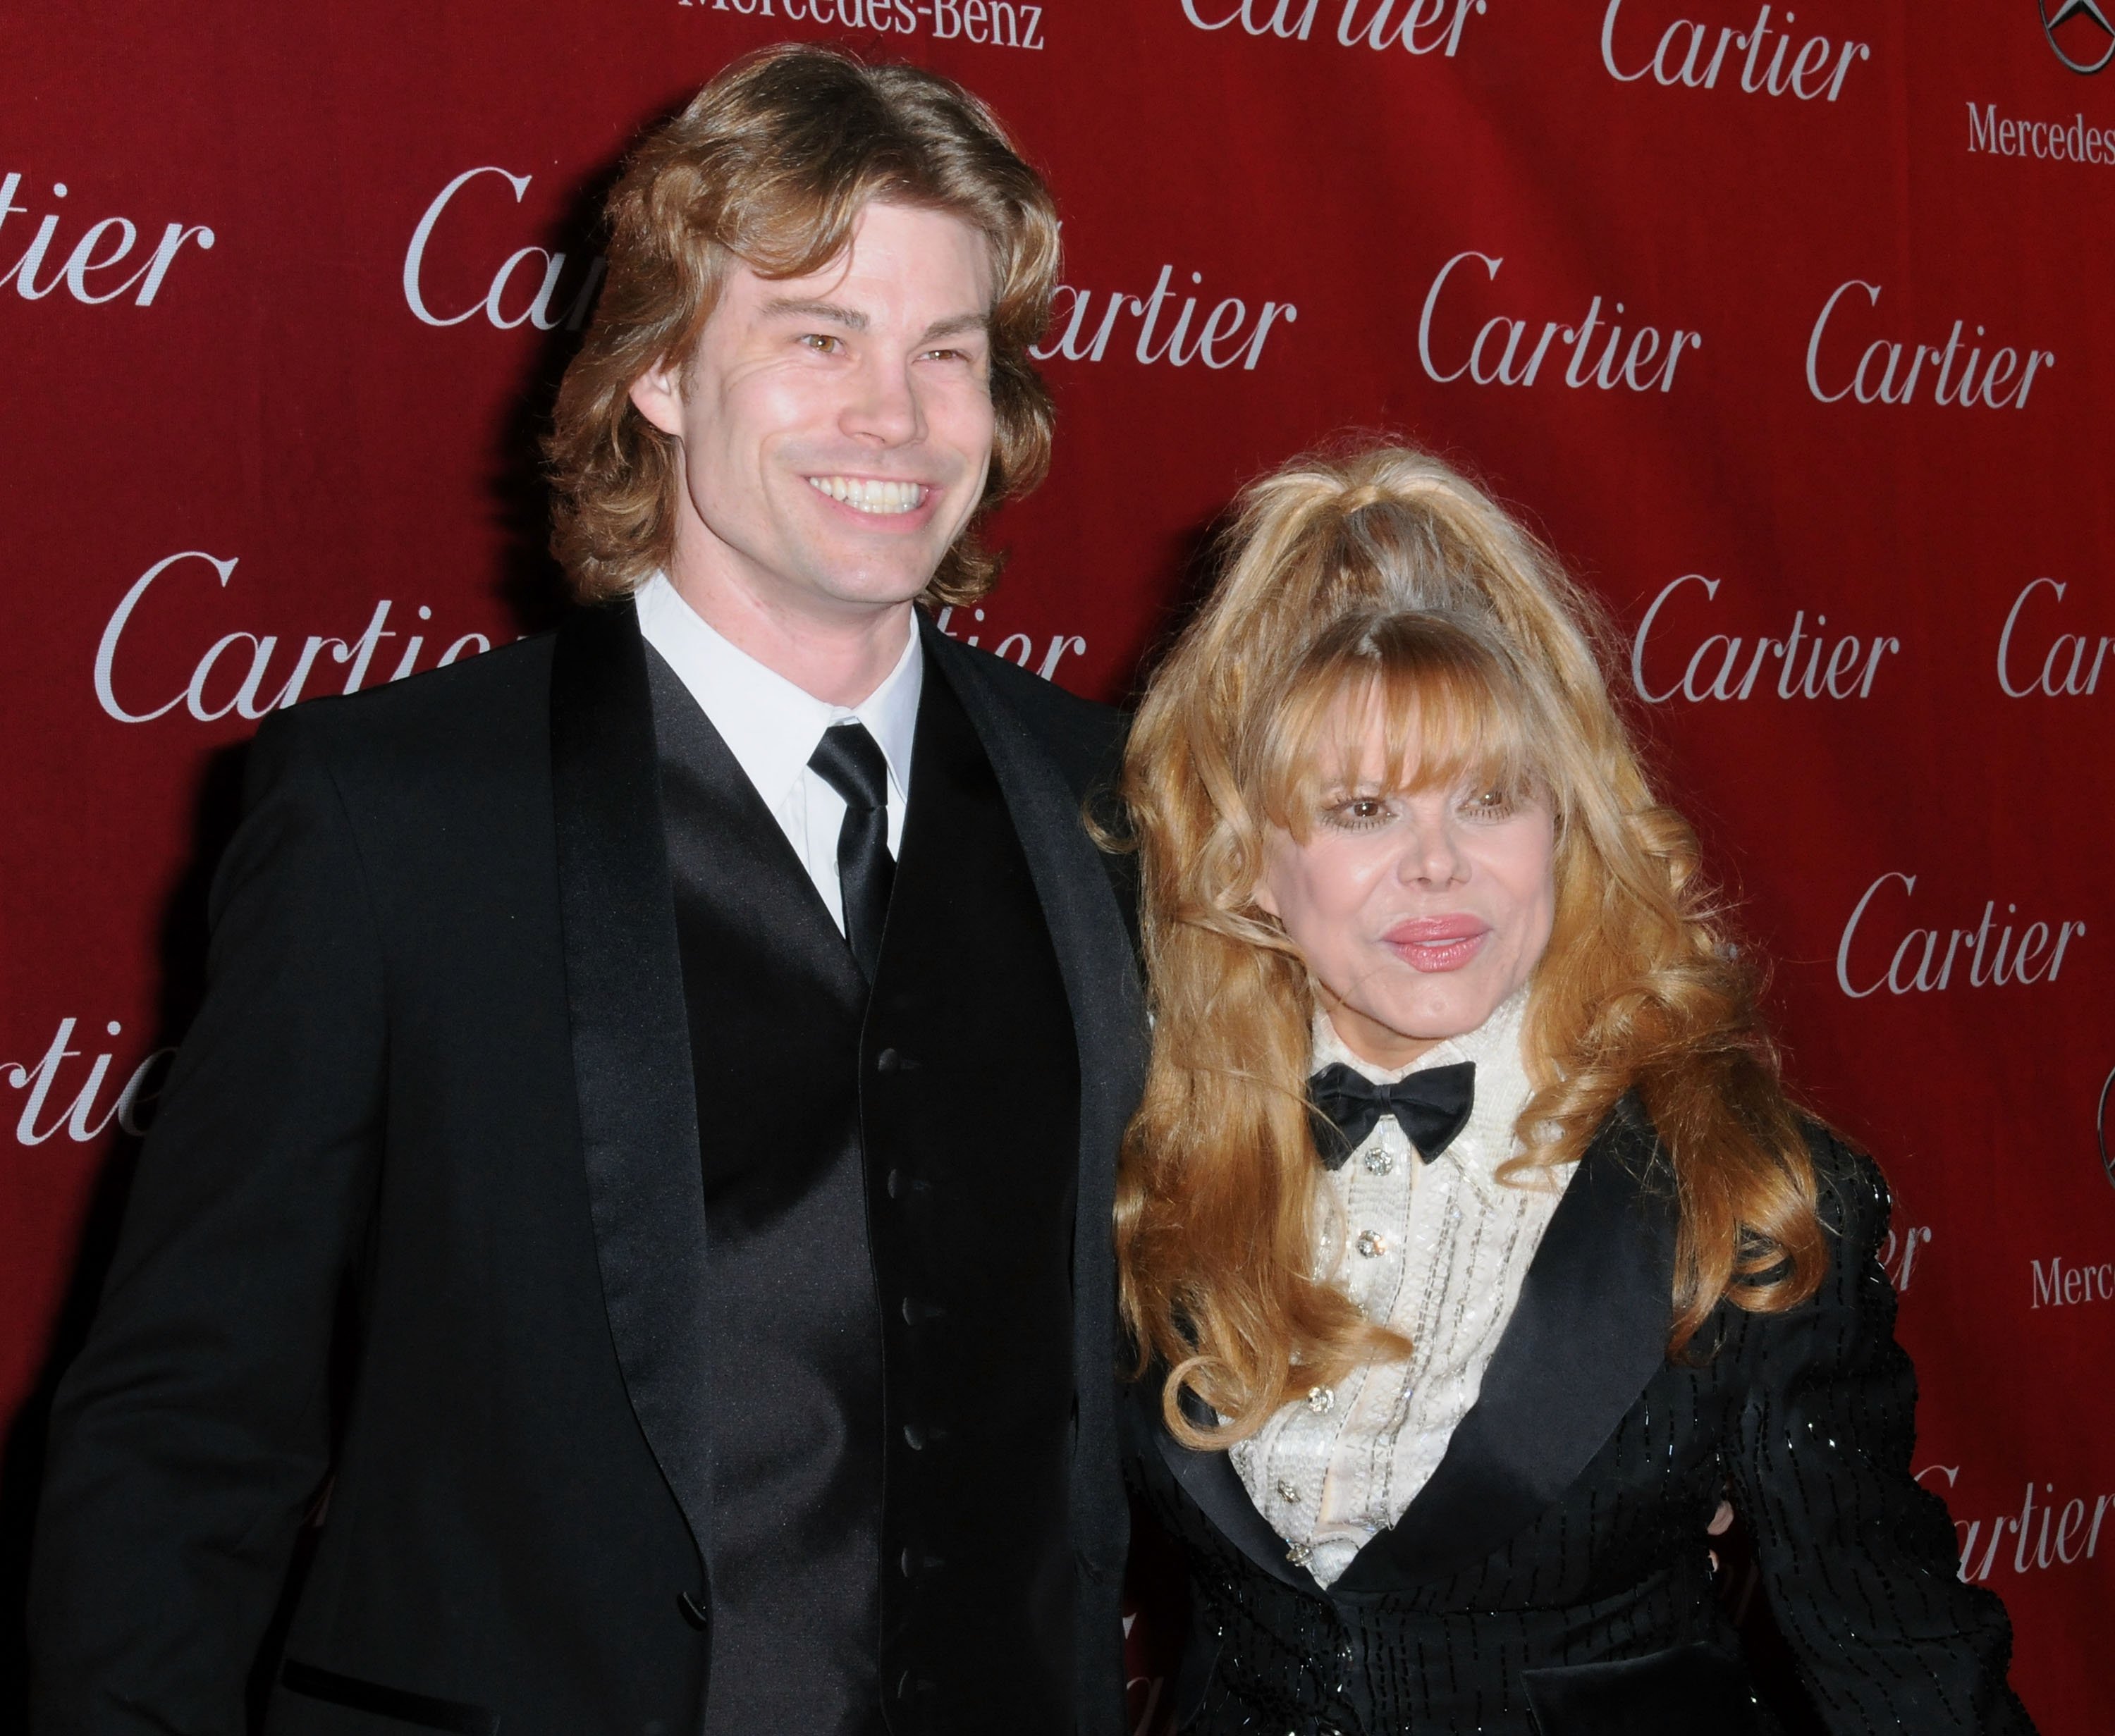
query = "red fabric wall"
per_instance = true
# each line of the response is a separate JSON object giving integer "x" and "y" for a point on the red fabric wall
{"x": 276, "y": 339}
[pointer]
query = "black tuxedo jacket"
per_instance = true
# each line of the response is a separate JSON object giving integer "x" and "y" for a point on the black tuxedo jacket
{"x": 439, "y": 1103}
{"x": 1553, "y": 1579}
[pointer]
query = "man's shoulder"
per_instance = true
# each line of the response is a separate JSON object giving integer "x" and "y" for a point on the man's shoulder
{"x": 475, "y": 715}
{"x": 1085, "y": 738}
{"x": 499, "y": 688}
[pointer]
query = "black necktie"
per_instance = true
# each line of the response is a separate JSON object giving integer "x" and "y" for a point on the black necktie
{"x": 1431, "y": 1107}
{"x": 850, "y": 761}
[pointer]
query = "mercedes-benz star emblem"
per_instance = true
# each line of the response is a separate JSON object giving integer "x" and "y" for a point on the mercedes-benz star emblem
{"x": 2100, "y": 1127}
{"x": 2056, "y": 14}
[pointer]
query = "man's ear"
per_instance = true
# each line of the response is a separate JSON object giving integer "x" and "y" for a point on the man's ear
{"x": 658, "y": 395}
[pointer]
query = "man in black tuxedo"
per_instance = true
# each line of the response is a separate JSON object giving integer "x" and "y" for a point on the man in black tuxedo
{"x": 675, "y": 1065}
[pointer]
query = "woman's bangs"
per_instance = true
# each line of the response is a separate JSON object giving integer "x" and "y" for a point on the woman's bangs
{"x": 1403, "y": 716}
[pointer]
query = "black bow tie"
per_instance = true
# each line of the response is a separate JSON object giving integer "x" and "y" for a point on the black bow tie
{"x": 1431, "y": 1107}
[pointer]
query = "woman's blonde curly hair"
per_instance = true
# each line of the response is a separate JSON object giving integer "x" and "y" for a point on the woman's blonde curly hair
{"x": 1385, "y": 578}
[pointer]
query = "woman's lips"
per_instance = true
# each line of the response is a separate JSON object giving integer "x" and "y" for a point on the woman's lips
{"x": 1437, "y": 943}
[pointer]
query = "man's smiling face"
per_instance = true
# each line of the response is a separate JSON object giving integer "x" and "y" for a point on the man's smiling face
{"x": 836, "y": 427}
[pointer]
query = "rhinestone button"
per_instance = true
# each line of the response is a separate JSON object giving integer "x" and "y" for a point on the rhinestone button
{"x": 1288, "y": 1493}
{"x": 1370, "y": 1244}
{"x": 1320, "y": 1398}
{"x": 1378, "y": 1162}
{"x": 1299, "y": 1554}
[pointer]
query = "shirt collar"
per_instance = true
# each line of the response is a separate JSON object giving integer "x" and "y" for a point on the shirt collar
{"x": 1503, "y": 1086}
{"x": 770, "y": 726}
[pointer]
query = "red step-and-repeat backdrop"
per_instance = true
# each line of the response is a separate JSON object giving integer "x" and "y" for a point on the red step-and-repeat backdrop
{"x": 1790, "y": 327}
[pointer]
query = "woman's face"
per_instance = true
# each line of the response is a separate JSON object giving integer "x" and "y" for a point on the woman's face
{"x": 1417, "y": 915}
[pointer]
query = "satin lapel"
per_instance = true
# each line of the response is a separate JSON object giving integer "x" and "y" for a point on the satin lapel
{"x": 631, "y": 1054}
{"x": 1210, "y": 1480}
{"x": 1589, "y": 1331}
{"x": 725, "y": 847}
{"x": 1108, "y": 1003}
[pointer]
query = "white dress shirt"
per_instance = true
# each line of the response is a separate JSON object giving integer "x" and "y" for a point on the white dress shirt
{"x": 772, "y": 727}
{"x": 1438, "y": 1251}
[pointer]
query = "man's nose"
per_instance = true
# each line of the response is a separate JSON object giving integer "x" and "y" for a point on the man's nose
{"x": 883, "y": 407}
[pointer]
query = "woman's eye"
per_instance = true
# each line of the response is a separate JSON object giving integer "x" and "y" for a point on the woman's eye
{"x": 1490, "y": 804}
{"x": 1357, "y": 813}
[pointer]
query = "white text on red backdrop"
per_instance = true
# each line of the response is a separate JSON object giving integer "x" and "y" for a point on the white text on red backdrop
{"x": 1421, "y": 27}
{"x": 103, "y": 247}
{"x": 1880, "y": 377}
{"x": 1686, "y": 56}
{"x": 1224, "y": 338}
{"x": 1898, "y": 1253}
{"x": 994, "y": 24}
{"x": 2074, "y": 1537}
{"x": 2059, "y": 1284}
{"x": 222, "y": 682}
{"x": 552, "y": 303}
{"x": 1925, "y": 960}
{"x": 2058, "y": 141}
{"x": 2064, "y": 673}
{"x": 1017, "y": 648}
{"x": 47, "y": 1112}
{"x": 1722, "y": 667}
{"x": 1495, "y": 359}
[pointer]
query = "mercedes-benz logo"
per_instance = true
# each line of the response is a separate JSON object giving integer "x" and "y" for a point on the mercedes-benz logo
{"x": 2056, "y": 14}
{"x": 2100, "y": 1127}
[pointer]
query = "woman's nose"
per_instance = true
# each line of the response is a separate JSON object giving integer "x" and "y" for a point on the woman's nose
{"x": 1432, "y": 852}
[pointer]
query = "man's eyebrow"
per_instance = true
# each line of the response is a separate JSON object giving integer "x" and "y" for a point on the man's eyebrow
{"x": 830, "y": 312}
{"x": 957, "y": 324}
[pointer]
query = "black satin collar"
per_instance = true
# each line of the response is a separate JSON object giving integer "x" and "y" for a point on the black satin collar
{"x": 631, "y": 1053}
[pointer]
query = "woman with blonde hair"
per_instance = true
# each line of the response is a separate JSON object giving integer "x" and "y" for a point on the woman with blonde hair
{"x": 1471, "y": 1246}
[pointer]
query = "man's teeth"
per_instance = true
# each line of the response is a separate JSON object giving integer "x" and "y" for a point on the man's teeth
{"x": 868, "y": 496}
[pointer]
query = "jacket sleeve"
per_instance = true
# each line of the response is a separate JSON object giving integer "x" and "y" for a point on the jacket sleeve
{"x": 1858, "y": 1560}
{"x": 191, "y": 1435}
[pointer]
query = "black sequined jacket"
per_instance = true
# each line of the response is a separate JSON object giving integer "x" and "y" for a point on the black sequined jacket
{"x": 1551, "y": 1578}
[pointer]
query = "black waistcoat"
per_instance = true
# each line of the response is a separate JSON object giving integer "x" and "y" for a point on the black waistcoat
{"x": 889, "y": 1193}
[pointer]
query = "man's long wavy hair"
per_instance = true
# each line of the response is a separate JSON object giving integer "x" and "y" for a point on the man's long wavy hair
{"x": 1385, "y": 586}
{"x": 770, "y": 166}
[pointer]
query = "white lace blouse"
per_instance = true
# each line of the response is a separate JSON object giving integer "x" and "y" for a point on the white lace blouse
{"x": 1437, "y": 1250}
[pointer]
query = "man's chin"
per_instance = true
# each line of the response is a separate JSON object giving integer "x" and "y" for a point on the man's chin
{"x": 879, "y": 593}
{"x": 852, "y": 581}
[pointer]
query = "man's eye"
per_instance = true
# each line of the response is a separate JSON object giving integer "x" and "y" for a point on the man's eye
{"x": 821, "y": 342}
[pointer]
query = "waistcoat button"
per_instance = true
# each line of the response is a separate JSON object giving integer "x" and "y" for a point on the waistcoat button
{"x": 914, "y": 1437}
{"x": 886, "y": 1061}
